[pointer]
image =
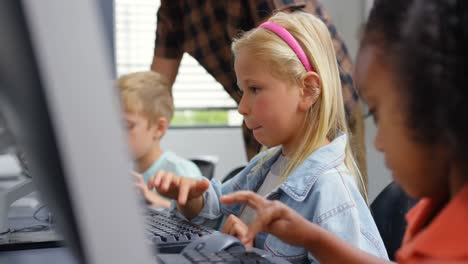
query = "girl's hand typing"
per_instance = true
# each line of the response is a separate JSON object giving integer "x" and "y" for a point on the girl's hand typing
{"x": 181, "y": 189}
{"x": 272, "y": 217}
{"x": 235, "y": 227}
{"x": 187, "y": 192}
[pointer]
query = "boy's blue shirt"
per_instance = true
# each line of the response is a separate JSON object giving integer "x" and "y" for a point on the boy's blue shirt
{"x": 321, "y": 189}
{"x": 169, "y": 161}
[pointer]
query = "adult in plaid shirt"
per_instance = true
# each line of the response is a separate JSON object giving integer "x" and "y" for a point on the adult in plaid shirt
{"x": 205, "y": 29}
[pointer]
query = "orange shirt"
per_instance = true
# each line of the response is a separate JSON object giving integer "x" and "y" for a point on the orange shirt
{"x": 444, "y": 240}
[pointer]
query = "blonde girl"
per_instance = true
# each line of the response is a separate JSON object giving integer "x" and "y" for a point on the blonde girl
{"x": 287, "y": 71}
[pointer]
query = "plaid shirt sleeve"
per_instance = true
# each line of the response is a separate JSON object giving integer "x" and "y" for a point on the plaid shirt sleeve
{"x": 170, "y": 30}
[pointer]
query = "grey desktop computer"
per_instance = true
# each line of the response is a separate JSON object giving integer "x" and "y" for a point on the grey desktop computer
{"x": 57, "y": 97}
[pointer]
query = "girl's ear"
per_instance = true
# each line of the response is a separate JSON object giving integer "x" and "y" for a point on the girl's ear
{"x": 160, "y": 127}
{"x": 310, "y": 91}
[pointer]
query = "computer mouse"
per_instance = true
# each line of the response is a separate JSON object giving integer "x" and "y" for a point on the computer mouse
{"x": 214, "y": 243}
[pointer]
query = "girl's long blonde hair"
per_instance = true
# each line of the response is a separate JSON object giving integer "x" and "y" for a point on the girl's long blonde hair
{"x": 326, "y": 118}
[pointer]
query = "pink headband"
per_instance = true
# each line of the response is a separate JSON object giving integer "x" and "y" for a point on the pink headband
{"x": 290, "y": 40}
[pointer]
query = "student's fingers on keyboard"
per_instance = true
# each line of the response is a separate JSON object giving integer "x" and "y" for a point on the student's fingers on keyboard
{"x": 266, "y": 216}
{"x": 227, "y": 224}
{"x": 155, "y": 180}
{"x": 235, "y": 227}
{"x": 200, "y": 186}
{"x": 167, "y": 181}
{"x": 151, "y": 183}
{"x": 184, "y": 190}
{"x": 247, "y": 240}
{"x": 239, "y": 230}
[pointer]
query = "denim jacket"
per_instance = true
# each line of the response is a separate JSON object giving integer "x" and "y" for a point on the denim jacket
{"x": 321, "y": 190}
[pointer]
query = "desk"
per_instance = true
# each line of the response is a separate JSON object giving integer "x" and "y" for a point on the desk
{"x": 46, "y": 255}
{"x": 38, "y": 256}
{"x": 40, "y": 234}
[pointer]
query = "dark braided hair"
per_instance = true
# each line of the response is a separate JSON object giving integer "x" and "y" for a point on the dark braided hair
{"x": 435, "y": 73}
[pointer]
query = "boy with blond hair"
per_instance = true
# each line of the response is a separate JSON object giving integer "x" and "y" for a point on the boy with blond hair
{"x": 148, "y": 109}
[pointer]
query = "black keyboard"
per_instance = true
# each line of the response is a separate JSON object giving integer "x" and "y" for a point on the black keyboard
{"x": 193, "y": 256}
{"x": 171, "y": 234}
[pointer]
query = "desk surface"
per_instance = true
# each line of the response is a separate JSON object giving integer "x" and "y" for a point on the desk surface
{"x": 37, "y": 247}
{"x": 38, "y": 256}
{"x": 29, "y": 232}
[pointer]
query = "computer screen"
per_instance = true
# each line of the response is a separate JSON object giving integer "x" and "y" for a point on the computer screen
{"x": 57, "y": 98}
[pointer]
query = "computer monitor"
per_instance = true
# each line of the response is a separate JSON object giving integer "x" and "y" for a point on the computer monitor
{"x": 7, "y": 142}
{"x": 57, "y": 97}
